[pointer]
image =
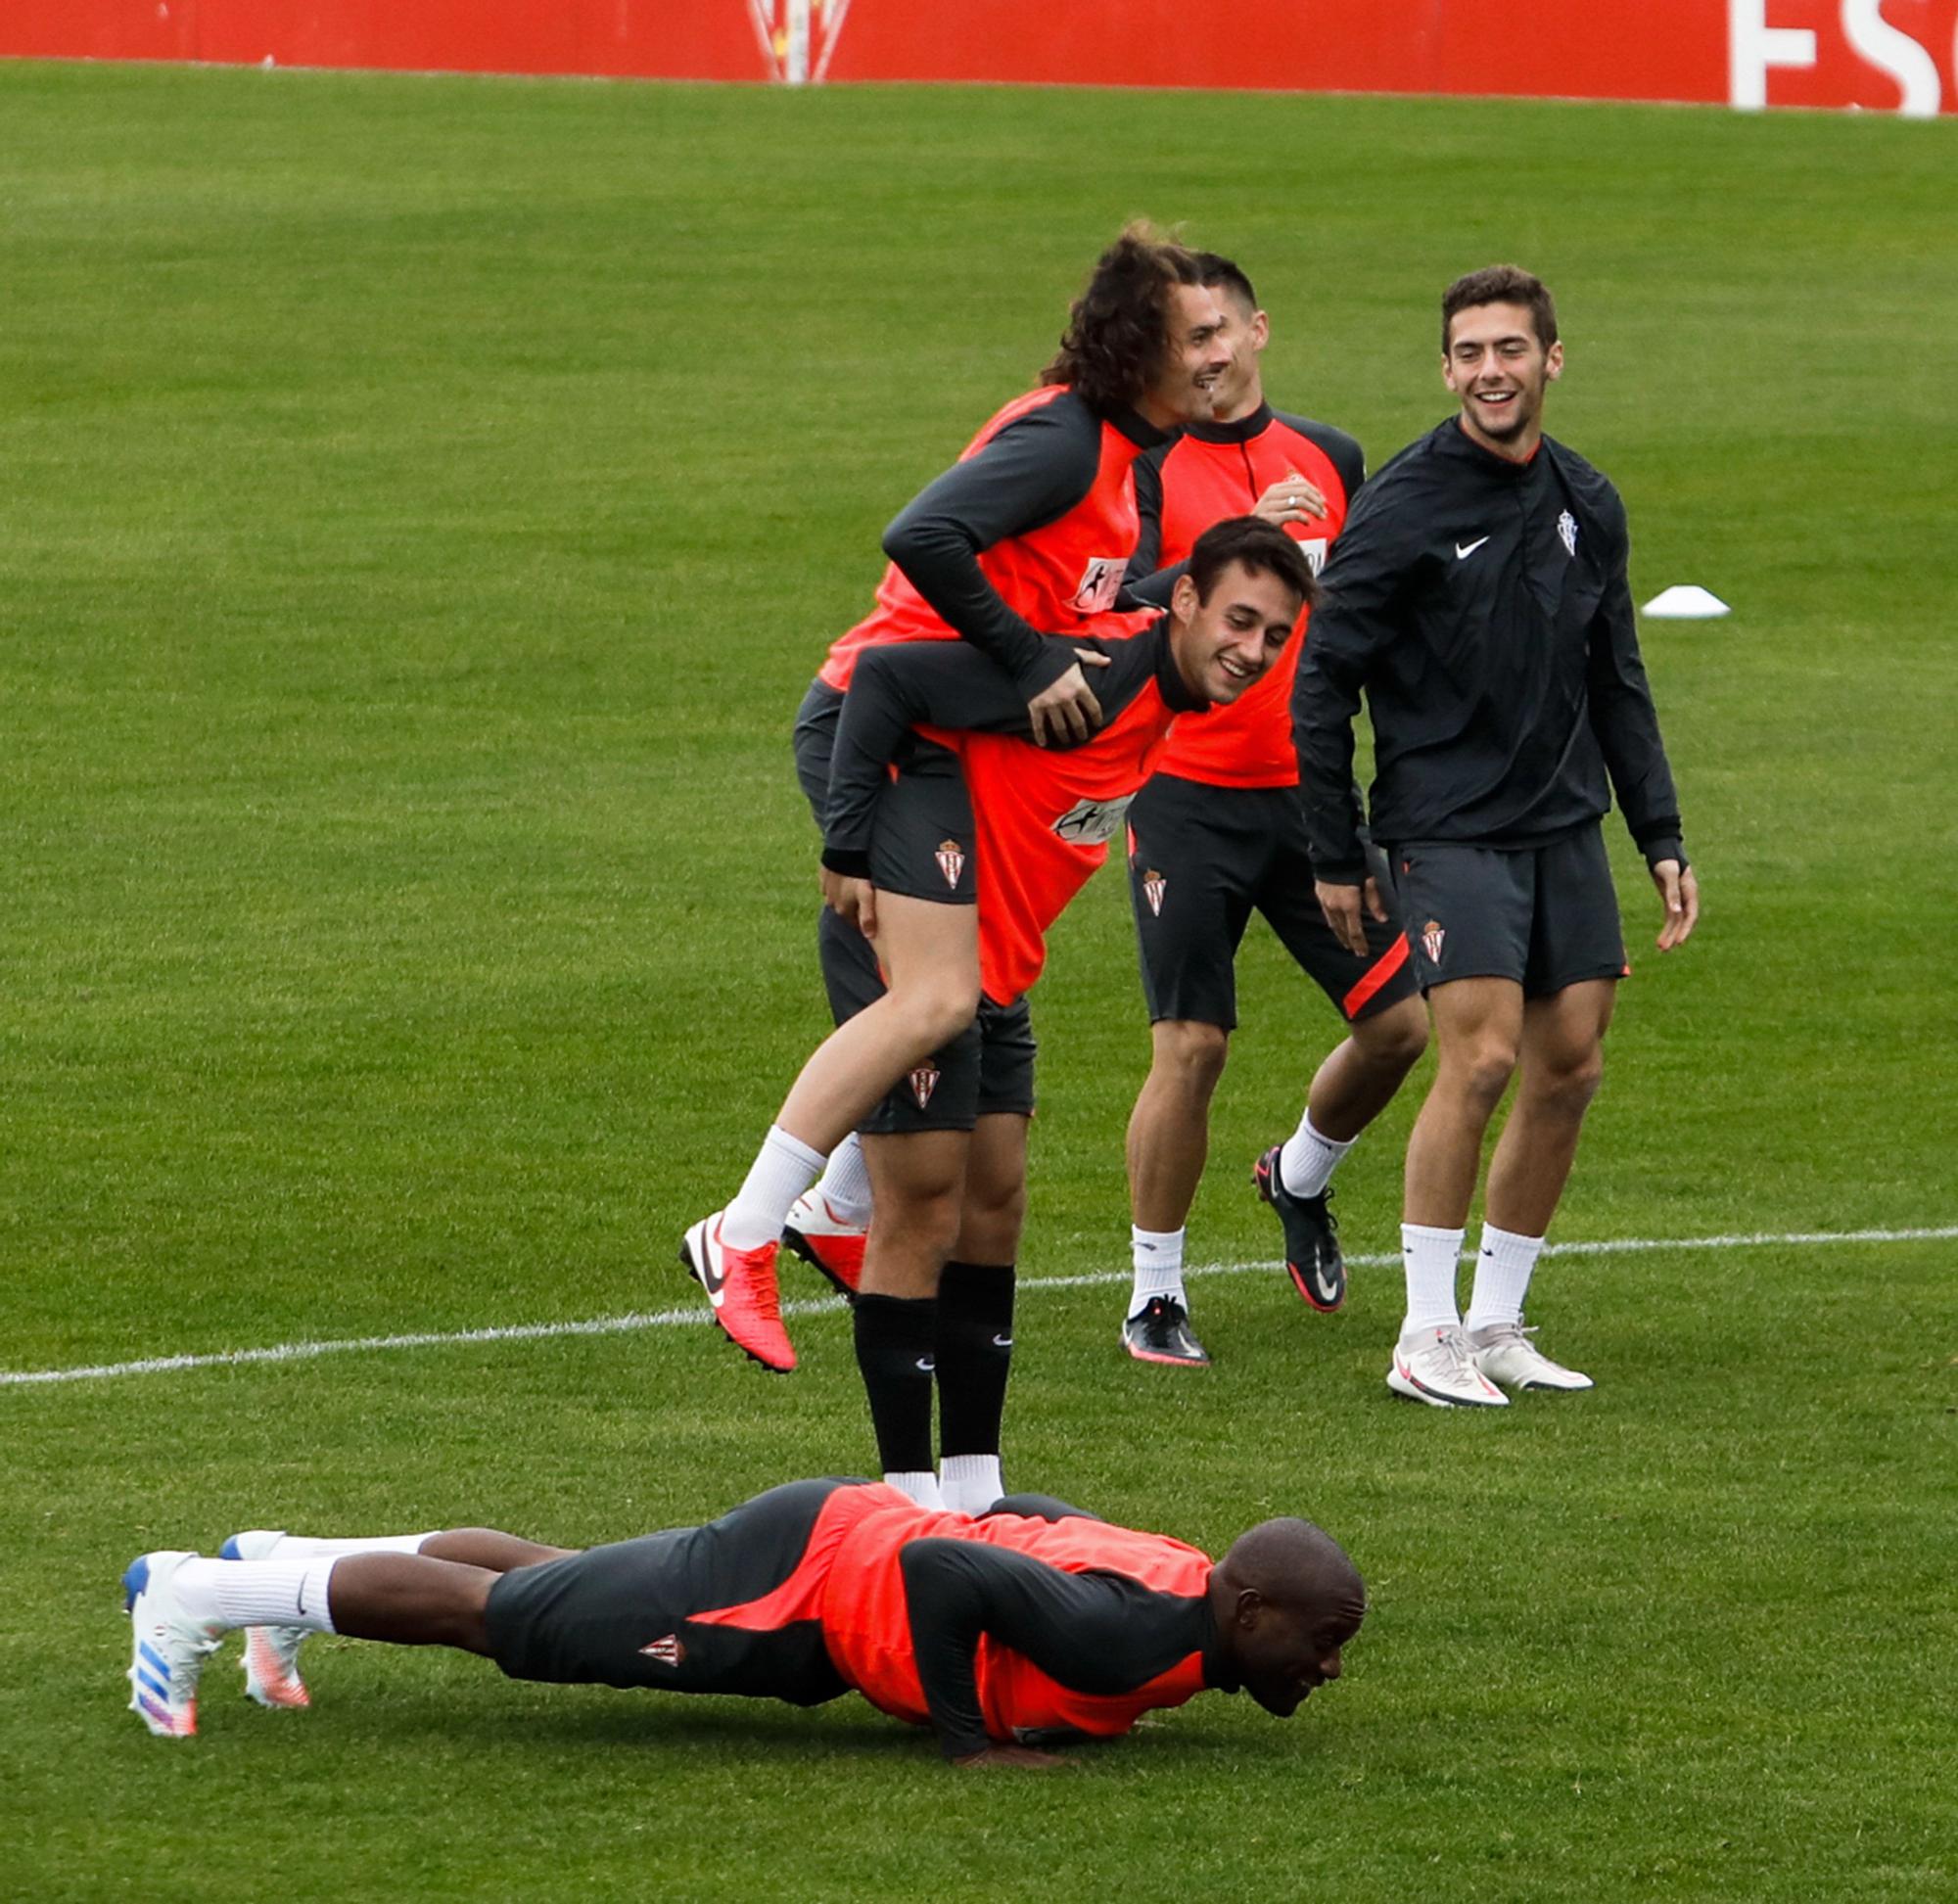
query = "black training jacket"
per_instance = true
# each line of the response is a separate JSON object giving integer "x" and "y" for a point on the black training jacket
{"x": 1482, "y": 606}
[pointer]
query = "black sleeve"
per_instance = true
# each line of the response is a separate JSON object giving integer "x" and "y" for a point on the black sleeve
{"x": 892, "y": 690}
{"x": 1092, "y": 1632}
{"x": 1624, "y": 720}
{"x": 1363, "y": 582}
{"x": 1143, "y": 583}
{"x": 1031, "y": 473}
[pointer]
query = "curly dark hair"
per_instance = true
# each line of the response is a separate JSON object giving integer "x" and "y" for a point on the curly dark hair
{"x": 1500, "y": 284}
{"x": 1117, "y": 336}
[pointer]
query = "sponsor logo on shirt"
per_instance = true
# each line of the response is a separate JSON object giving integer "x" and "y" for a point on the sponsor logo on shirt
{"x": 1092, "y": 823}
{"x": 1100, "y": 582}
{"x": 1313, "y": 548}
{"x": 950, "y": 860}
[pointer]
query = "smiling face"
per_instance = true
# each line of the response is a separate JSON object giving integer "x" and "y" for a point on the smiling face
{"x": 1499, "y": 368}
{"x": 1285, "y": 1653}
{"x": 1227, "y": 642}
{"x": 1246, "y": 330}
{"x": 1196, "y": 358}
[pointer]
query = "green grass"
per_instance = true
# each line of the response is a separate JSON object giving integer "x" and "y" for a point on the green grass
{"x": 427, "y": 500}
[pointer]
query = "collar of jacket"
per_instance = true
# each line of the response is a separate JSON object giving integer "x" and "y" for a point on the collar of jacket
{"x": 1244, "y": 430}
{"x": 1456, "y": 442}
{"x": 1138, "y": 429}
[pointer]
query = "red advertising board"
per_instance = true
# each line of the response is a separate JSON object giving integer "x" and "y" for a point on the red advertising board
{"x": 1877, "y": 55}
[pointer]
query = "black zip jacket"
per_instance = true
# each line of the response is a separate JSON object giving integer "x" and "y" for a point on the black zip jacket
{"x": 1482, "y": 606}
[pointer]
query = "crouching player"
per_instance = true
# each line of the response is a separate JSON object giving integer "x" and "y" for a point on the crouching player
{"x": 1032, "y": 1622}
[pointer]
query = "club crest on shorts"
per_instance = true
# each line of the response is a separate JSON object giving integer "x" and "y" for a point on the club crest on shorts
{"x": 924, "y": 1081}
{"x": 1431, "y": 935}
{"x": 1100, "y": 582}
{"x": 669, "y": 1651}
{"x": 1566, "y": 531}
{"x": 950, "y": 860}
{"x": 1155, "y": 886}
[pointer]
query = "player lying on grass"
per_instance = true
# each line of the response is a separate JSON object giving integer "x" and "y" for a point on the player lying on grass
{"x": 939, "y": 799}
{"x": 1035, "y": 1620}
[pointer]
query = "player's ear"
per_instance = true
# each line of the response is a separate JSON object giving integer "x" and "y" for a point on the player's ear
{"x": 1553, "y": 359}
{"x": 1184, "y": 600}
{"x": 1251, "y": 1607}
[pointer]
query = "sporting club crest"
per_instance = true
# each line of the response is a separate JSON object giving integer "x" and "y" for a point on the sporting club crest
{"x": 669, "y": 1651}
{"x": 1431, "y": 935}
{"x": 1566, "y": 531}
{"x": 1155, "y": 886}
{"x": 798, "y": 37}
{"x": 924, "y": 1081}
{"x": 950, "y": 860}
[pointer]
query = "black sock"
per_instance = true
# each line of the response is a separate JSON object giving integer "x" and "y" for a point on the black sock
{"x": 895, "y": 1343}
{"x": 975, "y": 1354}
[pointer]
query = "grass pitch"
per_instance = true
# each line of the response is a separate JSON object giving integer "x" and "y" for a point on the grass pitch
{"x": 427, "y": 501}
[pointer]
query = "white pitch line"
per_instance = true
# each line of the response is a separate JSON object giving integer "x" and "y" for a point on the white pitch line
{"x": 694, "y": 1316}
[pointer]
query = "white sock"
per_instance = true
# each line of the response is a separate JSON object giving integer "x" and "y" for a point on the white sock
{"x": 919, "y": 1487}
{"x": 304, "y": 1546}
{"x": 970, "y": 1484}
{"x": 1431, "y": 1259}
{"x": 258, "y": 1593}
{"x": 1503, "y": 1268}
{"x": 1308, "y": 1160}
{"x": 784, "y": 1168}
{"x": 845, "y": 1183}
{"x": 1158, "y": 1261}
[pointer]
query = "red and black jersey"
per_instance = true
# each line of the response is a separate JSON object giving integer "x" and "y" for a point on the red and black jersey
{"x": 1030, "y": 533}
{"x": 1042, "y": 816}
{"x": 993, "y": 1628}
{"x": 1213, "y": 470}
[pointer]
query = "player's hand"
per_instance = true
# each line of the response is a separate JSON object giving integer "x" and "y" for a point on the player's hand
{"x": 1680, "y": 893}
{"x": 1067, "y": 710}
{"x": 1024, "y": 1756}
{"x": 1291, "y": 501}
{"x": 1341, "y": 905}
{"x": 850, "y": 900}
{"x": 1370, "y": 893}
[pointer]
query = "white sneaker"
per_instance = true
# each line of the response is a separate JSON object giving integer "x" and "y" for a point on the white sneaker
{"x": 168, "y": 1647}
{"x": 1434, "y": 1365}
{"x": 272, "y": 1652}
{"x": 1504, "y": 1353}
{"x": 826, "y": 1242}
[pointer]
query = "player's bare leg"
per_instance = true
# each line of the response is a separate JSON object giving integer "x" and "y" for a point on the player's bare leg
{"x": 975, "y": 1315}
{"x": 918, "y": 1184}
{"x": 1478, "y": 1033}
{"x": 1359, "y": 1077}
{"x": 1562, "y": 1062}
{"x": 1169, "y": 1141}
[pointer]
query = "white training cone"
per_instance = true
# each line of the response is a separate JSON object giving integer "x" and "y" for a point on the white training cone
{"x": 1685, "y": 601}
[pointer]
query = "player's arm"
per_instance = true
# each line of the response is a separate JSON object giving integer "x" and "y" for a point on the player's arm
{"x": 1145, "y": 582}
{"x": 1092, "y": 1632}
{"x": 1363, "y": 581}
{"x": 893, "y": 689}
{"x": 1626, "y": 724}
{"x": 1030, "y": 473}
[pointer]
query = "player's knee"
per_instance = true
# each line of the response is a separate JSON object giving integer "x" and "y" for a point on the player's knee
{"x": 1567, "y": 1088}
{"x": 1192, "y": 1054}
{"x": 1394, "y": 1039}
{"x": 937, "y": 1009}
{"x": 1481, "y": 1072}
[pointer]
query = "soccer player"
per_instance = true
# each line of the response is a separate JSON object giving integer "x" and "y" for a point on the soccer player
{"x": 1479, "y": 599}
{"x": 1216, "y": 833}
{"x": 1035, "y": 1620}
{"x": 1028, "y": 534}
{"x": 922, "y": 727}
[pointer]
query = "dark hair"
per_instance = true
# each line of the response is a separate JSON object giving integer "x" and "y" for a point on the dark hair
{"x": 1500, "y": 284}
{"x": 1117, "y": 336}
{"x": 1262, "y": 548}
{"x": 1219, "y": 270}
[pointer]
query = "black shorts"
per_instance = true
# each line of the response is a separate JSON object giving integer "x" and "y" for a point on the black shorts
{"x": 626, "y": 1615}
{"x": 1544, "y": 916}
{"x": 1201, "y": 859}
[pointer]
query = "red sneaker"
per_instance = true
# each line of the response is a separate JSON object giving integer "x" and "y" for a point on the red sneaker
{"x": 740, "y": 1283}
{"x": 825, "y": 1242}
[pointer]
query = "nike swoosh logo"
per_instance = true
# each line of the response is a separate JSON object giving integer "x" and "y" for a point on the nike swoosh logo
{"x": 926, "y": 1365}
{"x": 1002, "y": 1341}
{"x": 1465, "y": 550}
{"x": 1326, "y": 1287}
{"x": 712, "y": 1279}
